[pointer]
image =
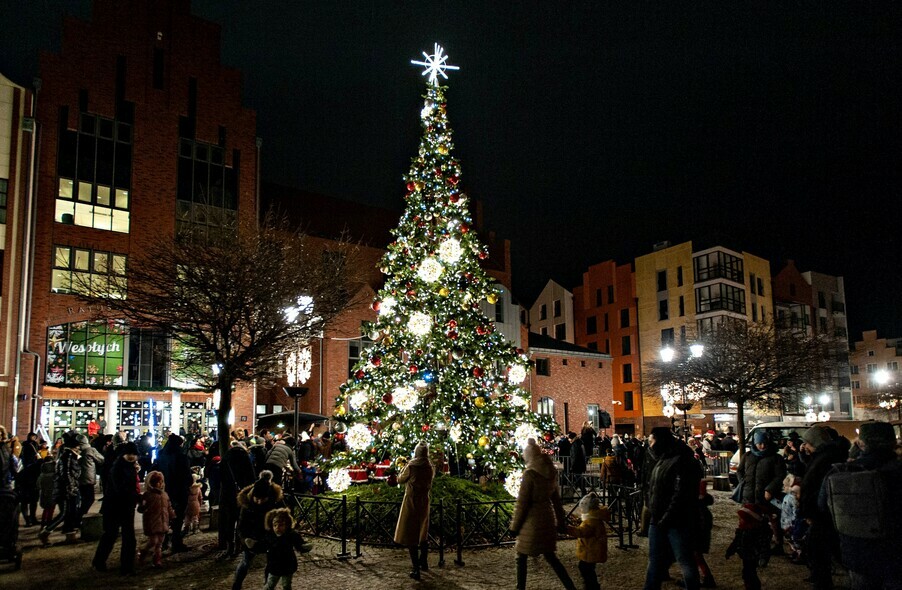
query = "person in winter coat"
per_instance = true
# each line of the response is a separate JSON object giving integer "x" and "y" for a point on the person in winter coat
{"x": 90, "y": 460}
{"x": 826, "y": 448}
{"x": 176, "y": 469}
{"x": 673, "y": 508}
{"x": 236, "y": 473}
{"x": 751, "y": 541}
{"x": 611, "y": 472}
{"x": 65, "y": 491}
{"x": 27, "y": 478}
{"x": 255, "y": 501}
{"x": 281, "y": 542}
{"x": 761, "y": 471}
{"x": 281, "y": 459}
{"x": 538, "y": 515}
{"x": 587, "y": 436}
{"x": 591, "y": 538}
{"x": 120, "y": 497}
{"x": 192, "y": 512}
{"x": 874, "y": 563}
{"x": 156, "y": 513}
{"x": 45, "y": 489}
{"x": 577, "y": 462}
{"x": 412, "y": 528}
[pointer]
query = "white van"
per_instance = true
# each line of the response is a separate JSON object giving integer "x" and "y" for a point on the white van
{"x": 775, "y": 431}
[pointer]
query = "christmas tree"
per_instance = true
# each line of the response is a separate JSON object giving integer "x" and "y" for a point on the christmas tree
{"x": 437, "y": 371}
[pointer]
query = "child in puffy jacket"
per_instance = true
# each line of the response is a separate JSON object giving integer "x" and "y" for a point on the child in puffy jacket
{"x": 591, "y": 538}
{"x": 45, "y": 487}
{"x": 192, "y": 511}
{"x": 157, "y": 511}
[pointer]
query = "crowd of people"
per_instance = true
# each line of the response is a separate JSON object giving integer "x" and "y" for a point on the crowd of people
{"x": 816, "y": 499}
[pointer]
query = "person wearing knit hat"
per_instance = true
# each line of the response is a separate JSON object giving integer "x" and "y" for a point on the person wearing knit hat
{"x": 876, "y": 435}
{"x": 120, "y": 498}
{"x": 672, "y": 504}
{"x": 816, "y": 436}
{"x": 412, "y": 528}
{"x": 538, "y": 515}
{"x": 255, "y": 501}
{"x": 591, "y": 538}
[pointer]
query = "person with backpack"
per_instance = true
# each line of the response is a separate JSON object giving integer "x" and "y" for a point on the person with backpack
{"x": 863, "y": 497}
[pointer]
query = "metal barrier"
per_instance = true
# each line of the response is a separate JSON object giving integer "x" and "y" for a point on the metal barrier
{"x": 322, "y": 516}
{"x": 718, "y": 462}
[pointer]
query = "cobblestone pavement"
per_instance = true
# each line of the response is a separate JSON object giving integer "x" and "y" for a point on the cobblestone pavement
{"x": 62, "y": 566}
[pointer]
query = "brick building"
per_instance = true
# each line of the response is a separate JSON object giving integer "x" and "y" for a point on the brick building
{"x": 569, "y": 382}
{"x": 604, "y": 311}
{"x": 142, "y": 133}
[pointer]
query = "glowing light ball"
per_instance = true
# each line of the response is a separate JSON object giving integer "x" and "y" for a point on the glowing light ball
{"x": 358, "y": 398}
{"x": 419, "y": 323}
{"x": 430, "y": 270}
{"x": 524, "y": 432}
{"x": 405, "y": 398}
{"x": 388, "y": 304}
{"x": 455, "y": 433}
{"x": 339, "y": 480}
{"x": 359, "y": 437}
{"x": 516, "y": 374}
{"x": 512, "y": 482}
{"x": 450, "y": 251}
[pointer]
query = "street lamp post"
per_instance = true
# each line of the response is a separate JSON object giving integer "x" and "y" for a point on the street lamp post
{"x": 686, "y": 399}
{"x": 812, "y": 415}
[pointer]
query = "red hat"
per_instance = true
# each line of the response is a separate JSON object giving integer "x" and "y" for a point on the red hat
{"x": 710, "y": 432}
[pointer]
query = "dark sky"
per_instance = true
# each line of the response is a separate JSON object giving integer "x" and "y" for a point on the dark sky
{"x": 590, "y": 130}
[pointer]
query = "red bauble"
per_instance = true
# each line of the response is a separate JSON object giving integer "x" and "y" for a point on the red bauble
{"x": 418, "y": 352}
{"x": 425, "y": 428}
{"x": 478, "y": 372}
{"x": 360, "y": 374}
{"x": 453, "y": 180}
{"x": 339, "y": 436}
{"x": 387, "y": 398}
{"x": 412, "y": 369}
{"x": 483, "y": 255}
{"x": 438, "y": 172}
{"x": 480, "y": 330}
{"x": 548, "y": 437}
{"x": 464, "y": 228}
{"x": 452, "y": 334}
{"x": 452, "y": 323}
{"x": 376, "y": 361}
{"x": 411, "y": 186}
{"x": 454, "y": 197}
{"x": 377, "y": 305}
{"x": 411, "y": 293}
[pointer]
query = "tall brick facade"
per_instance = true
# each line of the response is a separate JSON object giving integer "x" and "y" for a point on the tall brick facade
{"x": 142, "y": 84}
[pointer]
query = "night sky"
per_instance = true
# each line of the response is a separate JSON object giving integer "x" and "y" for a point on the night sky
{"x": 590, "y": 131}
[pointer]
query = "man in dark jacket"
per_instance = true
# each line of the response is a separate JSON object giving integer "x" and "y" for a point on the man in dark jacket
{"x": 281, "y": 458}
{"x": 826, "y": 448}
{"x": 577, "y": 463}
{"x": 255, "y": 501}
{"x": 874, "y": 563}
{"x": 174, "y": 465}
{"x": 65, "y": 491}
{"x": 236, "y": 473}
{"x": 761, "y": 471}
{"x": 673, "y": 501}
{"x": 27, "y": 479}
{"x": 120, "y": 497}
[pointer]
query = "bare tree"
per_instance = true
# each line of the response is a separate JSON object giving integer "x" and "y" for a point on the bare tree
{"x": 754, "y": 364}
{"x": 236, "y": 304}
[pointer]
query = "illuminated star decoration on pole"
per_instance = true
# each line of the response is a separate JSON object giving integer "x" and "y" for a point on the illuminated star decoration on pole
{"x": 435, "y": 65}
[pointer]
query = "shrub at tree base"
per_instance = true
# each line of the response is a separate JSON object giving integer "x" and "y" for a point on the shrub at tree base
{"x": 448, "y": 488}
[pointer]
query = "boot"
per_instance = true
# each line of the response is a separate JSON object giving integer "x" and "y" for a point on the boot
{"x": 424, "y": 556}
{"x": 414, "y": 559}
{"x": 71, "y": 538}
{"x": 44, "y": 537}
{"x": 521, "y": 572}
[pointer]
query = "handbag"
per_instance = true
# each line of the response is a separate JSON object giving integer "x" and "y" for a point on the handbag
{"x": 736, "y": 496}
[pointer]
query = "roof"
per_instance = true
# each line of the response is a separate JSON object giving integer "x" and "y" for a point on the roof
{"x": 547, "y": 343}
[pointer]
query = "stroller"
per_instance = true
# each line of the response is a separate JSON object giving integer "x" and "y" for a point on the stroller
{"x": 9, "y": 528}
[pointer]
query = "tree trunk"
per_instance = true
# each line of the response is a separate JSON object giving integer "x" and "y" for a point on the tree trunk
{"x": 740, "y": 425}
{"x": 222, "y": 413}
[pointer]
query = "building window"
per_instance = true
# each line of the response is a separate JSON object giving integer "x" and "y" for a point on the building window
{"x": 792, "y": 289}
{"x": 682, "y": 306}
{"x": 560, "y": 331}
{"x": 610, "y": 293}
{"x": 564, "y": 362}
{"x": 870, "y": 353}
{"x": 760, "y": 284}
{"x": 625, "y": 345}
{"x": 598, "y": 301}
{"x": 662, "y": 280}
{"x": 85, "y": 353}
{"x": 261, "y": 409}
{"x": 356, "y": 350}
{"x": 592, "y": 416}
{"x": 545, "y": 407}
{"x": 606, "y": 324}
{"x": 607, "y": 346}
{"x": 276, "y": 408}
{"x": 625, "y": 318}
{"x": 893, "y": 365}
{"x": 94, "y": 165}
{"x": 557, "y": 308}
{"x": 4, "y": 193}
{"x": 627, "y": 373}
{"x": 591, "y": 325}
{"x": 718, "y": 265}
{"x": 543, "y": 367}
{"x": 499, "y": 309}
{"x": 872, "y": 367}
{"x": 592, "y": 346}
{"x": 148, "y": 358}
{"x": 754, "y": 313}
{"x": 853, "y": 369}
{"x": 206, "y": 207}
{"x": 582, "y": 363}
{"x": 856, "y": 384}
{"x": 543, "y": 312}
{"x": 667, "y": 337}
{"x": 663, "y": 312}
{"x": 543, "y": 331}
{"x": 628, "y": 401}
{"x": 679, "y": 276}
{"x": 79, "y": 270}
{"x": 821, "y": 300}
{"x": 719, "y": 297}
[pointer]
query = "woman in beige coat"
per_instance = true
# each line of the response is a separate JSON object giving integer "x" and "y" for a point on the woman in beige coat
{"x": 538, "y": 516}
{"x": 413, "y": 520}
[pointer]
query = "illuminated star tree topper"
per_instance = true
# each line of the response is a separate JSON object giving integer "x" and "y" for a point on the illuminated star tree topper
{"x": 435, "y": 65}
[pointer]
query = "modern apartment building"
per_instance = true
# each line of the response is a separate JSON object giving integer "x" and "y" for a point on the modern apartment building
{"x": 683, "y": 293}
{"x": 552, "y": 313}
{"x": 870, "y": 356}
{"x": 816, "y": 303}
{"x": 605, "y": 312}
{"x": 142, "y": 133}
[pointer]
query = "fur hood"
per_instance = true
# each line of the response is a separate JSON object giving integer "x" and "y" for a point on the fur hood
{"x": 543, "y": 466}
{"x": 244, "y": 500}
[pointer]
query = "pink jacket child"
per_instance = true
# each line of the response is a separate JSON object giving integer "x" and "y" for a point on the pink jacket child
{"x": 156, "y": 510}
{"x": 192, "y": 510}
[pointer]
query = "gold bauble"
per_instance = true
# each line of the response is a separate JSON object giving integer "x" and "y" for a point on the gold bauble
{"x": 340, "y": 411}
{"x": 492, "y": 298}
{"x": 444, "y": 291}
{"x": 442, "y": 149}
{"x": 479, "y": 401}
{"x": 483, "y": 441}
